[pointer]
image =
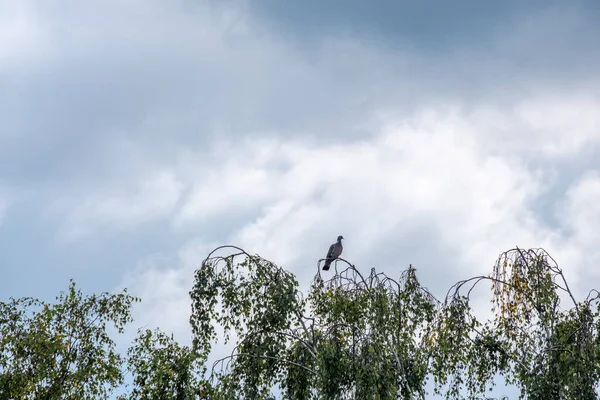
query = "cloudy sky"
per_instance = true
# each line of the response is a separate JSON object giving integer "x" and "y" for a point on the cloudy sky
{"x": 137, "y": 135}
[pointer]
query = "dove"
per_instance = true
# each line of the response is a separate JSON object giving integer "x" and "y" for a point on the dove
{"x": 335, "y": 250}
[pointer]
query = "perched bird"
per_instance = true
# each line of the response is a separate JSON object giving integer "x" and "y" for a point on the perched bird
{"x": 335, "y": 250}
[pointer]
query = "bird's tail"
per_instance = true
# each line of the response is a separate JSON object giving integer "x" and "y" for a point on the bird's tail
{"x": 326, "y": 265}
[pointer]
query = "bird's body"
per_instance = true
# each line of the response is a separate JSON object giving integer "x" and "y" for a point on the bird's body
{"x": 335, "y": 250}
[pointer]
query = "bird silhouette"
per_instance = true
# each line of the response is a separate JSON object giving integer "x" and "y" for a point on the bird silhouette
{"x": 335, "y": 250}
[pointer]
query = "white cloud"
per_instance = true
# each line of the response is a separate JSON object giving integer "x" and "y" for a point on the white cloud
{"x": 582, "y": 214}
{"x": 163, "y": 284}
{"x": 165, "y": 300}
{"x": 560, "y": 125}
{"x": 429, "y": 182}
{"x": 239, "y": 187}
{"x": 431, "y": 169}
{"x": 579, "y": 213}
{"x": 121, "y": 207}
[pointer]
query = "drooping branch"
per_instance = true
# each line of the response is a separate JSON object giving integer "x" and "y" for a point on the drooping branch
{"x": 362, "y": 327}
{"x": 351, "y": 314}
{"x": 529, "y": 329}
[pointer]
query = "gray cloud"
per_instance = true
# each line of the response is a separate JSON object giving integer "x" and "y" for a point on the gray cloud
{"x": 429, "y": 24}
{"x": 195, "y": 75}
{"x": 91, "y": 113}
{"x": 433, "y": 137}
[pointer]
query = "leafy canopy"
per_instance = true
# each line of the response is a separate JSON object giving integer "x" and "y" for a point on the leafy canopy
{"x": 351, "y": 336}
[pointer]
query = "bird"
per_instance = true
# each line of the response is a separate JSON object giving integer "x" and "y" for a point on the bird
{"x": 335, "y": 250}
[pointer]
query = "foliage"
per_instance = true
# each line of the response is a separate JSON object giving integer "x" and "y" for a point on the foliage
{"x": 547, "y": 352}
{"x": 257, "y": 300}
{"x": 352, "y": 336}
{"x": 162, "y": 369}
{"x": 372, "y": 334}
{"x": 62, "y": 350}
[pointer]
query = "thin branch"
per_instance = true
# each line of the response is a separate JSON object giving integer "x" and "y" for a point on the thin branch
{"x": 263, "y": 357}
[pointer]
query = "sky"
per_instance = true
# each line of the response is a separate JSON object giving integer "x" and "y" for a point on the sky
{"x": 135, "y": 136}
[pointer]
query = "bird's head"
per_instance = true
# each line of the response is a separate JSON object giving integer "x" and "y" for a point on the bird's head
{"x": 339, "y": 239}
